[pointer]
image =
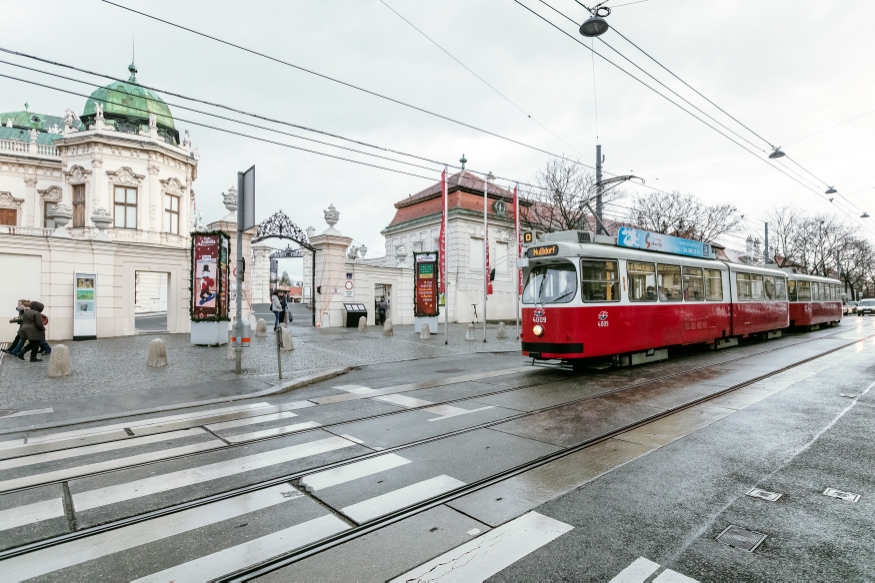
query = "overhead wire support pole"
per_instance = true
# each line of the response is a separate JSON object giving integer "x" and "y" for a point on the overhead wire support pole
{"x": 485, "y": 252}
{"x": 598, "y": 182}
{"x": 238, "y": 324}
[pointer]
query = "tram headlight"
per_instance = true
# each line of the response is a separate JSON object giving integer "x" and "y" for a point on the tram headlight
{"x": 538, "y": 330}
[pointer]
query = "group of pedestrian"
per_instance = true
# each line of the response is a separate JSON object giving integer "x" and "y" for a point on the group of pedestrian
{"x": 31, "y": 335}
{"x": 279, "y": 305}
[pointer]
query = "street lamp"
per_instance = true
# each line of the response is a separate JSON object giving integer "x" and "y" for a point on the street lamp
{"x": 595, "y": 25}
{"x": 489, "y": 178}
{"x": 777, "y": 153}
{"x": 865, "y": 215}
{"x": 831, "y": 190}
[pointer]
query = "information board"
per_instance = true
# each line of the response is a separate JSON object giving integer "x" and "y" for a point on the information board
{"x": 425, "y": 283}
{"x": 209, "y": 285}
{"x": 84, "y": 306}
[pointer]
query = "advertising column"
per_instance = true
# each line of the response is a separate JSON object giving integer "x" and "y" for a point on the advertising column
{"x": 209, "y": 288}
{"x": 84, "y": 302}
{"x": 425, "y": 290}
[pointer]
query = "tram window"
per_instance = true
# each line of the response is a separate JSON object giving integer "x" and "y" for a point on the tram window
{"x": 551, "y": 284}
{"x": 642, "y": 281}
{"x": 713, "y": 285}
{"x": 815, "y": 291}
{"x": 694, "y": 284}
{"x": 742, "y": 286}
{"x": 599, "y": 281}
{"x": 804, "y": 291}
{"x": 836, "y": 293}
{"x": 780, "y": 288}
{"x": 756, "y": 287}
{"x": 769, "y": 287}
{"x": 669, "y": 283}
{"x": 791, "y": 291}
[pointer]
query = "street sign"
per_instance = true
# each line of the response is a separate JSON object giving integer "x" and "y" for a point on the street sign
{"x": 246, "y": 206}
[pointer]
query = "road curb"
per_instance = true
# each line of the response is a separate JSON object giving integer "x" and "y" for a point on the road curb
{"x": 279, "y": 389}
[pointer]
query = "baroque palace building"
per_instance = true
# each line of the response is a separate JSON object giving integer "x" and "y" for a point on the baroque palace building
{"x": 107, "y": 193}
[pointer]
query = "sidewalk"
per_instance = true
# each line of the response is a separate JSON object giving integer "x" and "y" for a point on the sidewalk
{"x": 115, "y": 368}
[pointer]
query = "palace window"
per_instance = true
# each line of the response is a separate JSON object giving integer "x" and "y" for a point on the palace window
{"x": 171, "y": 214}
{"x": 48, "y": 222}
{"x": 79, "y": 205}
{"x": 8, "y": 217}
{"x": 125, "y": 207}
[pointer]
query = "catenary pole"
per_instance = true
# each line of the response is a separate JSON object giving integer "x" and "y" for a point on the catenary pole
{"x": 446, "y": 262}
{"x": 768, "y": 258}
{"x": 485, "y": 251}
{"x": 238, "y": 325}
{"x": 598, "y": 183}
{"x": 518, "y": 278}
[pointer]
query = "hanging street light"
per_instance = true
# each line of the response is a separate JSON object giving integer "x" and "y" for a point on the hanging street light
{"x": 831, "y": 190}
{"x": 595, "y": 25}
{"x": 777, "y": 153}
{"x": 865, "y": 215}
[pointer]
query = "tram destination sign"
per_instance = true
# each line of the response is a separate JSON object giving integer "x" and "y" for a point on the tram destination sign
{"x": 542, "y": 251}
{"x": 638, "y": 239}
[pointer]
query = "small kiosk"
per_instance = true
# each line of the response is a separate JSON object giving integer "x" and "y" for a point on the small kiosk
{"x": 84, "y": 303}
{"x": 209, "y": 288}
{"x": 425, "y": 289}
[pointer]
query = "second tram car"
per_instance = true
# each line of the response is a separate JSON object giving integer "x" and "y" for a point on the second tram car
{"x": 586, "y": 296}
{"x": 814, "y": 300}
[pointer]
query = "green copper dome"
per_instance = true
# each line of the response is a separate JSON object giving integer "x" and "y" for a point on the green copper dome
{"x": 128, "y": 105}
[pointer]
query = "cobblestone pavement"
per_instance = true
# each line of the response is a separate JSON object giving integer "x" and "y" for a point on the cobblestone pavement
{"x": 117, "y": 365}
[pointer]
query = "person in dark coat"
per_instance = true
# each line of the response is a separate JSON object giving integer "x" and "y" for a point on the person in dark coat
{"x": 18, "y": 343}
{"x": 33, "y": 329}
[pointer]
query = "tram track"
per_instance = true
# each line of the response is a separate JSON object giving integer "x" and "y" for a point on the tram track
{"x": 327, "y": 427}
{"x": 400, "y": 515}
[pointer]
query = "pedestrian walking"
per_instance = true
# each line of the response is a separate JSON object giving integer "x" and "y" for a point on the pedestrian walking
{"x": 18, "y": 342}
{"x": 284, "y": 302}
{"x": 277, "y": 308}
{"x": 382, "y": 307}
{"x": 33, "y": 329}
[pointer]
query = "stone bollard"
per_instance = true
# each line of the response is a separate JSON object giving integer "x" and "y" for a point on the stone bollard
{"x": 363, "y": 324}
{"x": 261, "y": 328}
{"x": 157, "y": 353}
{"x": 388, "y": 329}
{"x": 287, "y": 339}
{"x": 469, "y": 335}
{"x": 425, "y": 333}
{"x": 502, "y": 331}
{"x": 59, "y": 361}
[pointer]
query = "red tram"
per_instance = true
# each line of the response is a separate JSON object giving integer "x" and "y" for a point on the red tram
{"x": 814, "y": 300}
{"x": 632, "y": 297}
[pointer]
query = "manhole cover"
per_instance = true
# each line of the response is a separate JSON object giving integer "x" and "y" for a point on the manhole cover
{"x": 741, "y": 538}
{"x": 846, "y": 496}
{"x": 452, "y": 370}
{"x": 770, "y": 496}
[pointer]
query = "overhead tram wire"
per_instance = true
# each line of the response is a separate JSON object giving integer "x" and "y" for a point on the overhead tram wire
{"x": 757, "y": 156}
{"x": 484, "y": 81}
{"x": 436, "y": 162}
{"x": 236, "y": 133}
{"x": 347, "y": 84}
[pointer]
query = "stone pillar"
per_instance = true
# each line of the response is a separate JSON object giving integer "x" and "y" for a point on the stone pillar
{"x": 100, "y": 198}
{"x": 331, "y": 268}
{"x": 31, "y": 202}
{"x": 153, "y": 220}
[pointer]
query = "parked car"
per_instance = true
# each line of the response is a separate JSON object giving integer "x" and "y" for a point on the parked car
{"x": 866, "y": 306}
{"x": 848, "y": 307}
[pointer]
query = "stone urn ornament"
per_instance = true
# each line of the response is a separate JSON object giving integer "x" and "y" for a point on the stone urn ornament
{"x": 61, "y": 214}
{"x": 332, "y": 215}
{"x": 102, "y": 219}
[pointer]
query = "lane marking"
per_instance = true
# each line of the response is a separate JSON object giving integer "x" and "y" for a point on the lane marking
{"x": 351, "y": 438}
{"x": 473, "y": 531}
{"x": 492, "y": 552}
{"x": 26, "y": 413}
{"x": 100, "y": 545}
{"x": 397, "y": 499}
{"x": 637, "y": 572}
{"x": 250, "y": 553}
{"x": 170, "y": 481}
{"x": 251, "y": 420}
{"x": 6, "y": 444}
{"x": 30, "y": 513}
{"x": 52, "y": 456}
{"x": 422, "y": 385}
{"x": 113, "y": 464}
{"x": 404, "y": 401}
{"x": 355, "y": 389}
{"x": 273, "y": 431}
{"x": 333, "y": 477}
{"x": 448, "y": 411}
{"x": 669, "y": 576}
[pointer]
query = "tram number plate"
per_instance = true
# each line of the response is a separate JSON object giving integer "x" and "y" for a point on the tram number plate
{"x": 603, "y": 319}
{"x": 539, "y": 319}
{"x": 603, "y": 324}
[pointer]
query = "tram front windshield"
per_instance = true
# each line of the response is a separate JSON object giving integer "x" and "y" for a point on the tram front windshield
{"x": 551, "y": 284}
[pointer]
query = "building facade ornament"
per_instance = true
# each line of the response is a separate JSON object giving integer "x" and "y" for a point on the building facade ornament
{"x": 230, "y": 199}
{"x": 10, "y": 202}
{"x": 33, "y": 134}
{"x": 126, "y": 177}
{"x": 174, "y": 187}
{"x": 30, "y": 181}
{"x": 153, "y": 170}
{"x": 332, "y": 215}
{"x": 51, "y": 194}
{"x": 61, "y": 214}
{"x": 98, "y": 111}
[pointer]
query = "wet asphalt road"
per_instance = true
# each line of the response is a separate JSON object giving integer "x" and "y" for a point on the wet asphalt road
{"x": 657, "y": 495}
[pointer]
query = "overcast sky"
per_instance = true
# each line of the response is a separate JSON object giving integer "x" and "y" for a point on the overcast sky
{"x": 786, "y": 68}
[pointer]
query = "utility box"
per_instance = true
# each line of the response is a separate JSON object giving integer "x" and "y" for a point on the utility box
{"x": 353, "y": 313}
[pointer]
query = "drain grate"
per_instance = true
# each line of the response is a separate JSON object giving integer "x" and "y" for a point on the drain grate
{"x": 741, "y": 538}
{"x": 846, "y": 496}
{"x": 452, "y": 370}
{"x": 768, "y": 496}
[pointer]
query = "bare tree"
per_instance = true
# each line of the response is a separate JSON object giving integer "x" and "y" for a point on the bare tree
{"x": 785, "y": 226}
{"x": 682, "y": 215}
{"x": 558, "y": 203}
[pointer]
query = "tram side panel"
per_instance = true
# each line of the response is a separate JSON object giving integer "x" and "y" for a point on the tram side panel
{"x": 751, "y": 316}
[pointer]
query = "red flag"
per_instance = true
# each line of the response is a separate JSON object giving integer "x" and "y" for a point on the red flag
{"x": 488, "y": 263}
{"x": 443, "y": 237}
{"x": 519, "y": 241}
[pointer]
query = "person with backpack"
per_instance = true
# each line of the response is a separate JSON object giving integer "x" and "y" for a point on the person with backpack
{"x": 18, "y": 343}
{"x": 277, "y": 309}
{"x": 33, "y": 329}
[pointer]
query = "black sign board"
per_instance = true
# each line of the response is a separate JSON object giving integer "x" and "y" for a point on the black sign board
{"x": 542, "y": 251}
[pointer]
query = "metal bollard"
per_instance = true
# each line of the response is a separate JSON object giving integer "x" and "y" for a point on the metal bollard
{"x": 279, "y": 343}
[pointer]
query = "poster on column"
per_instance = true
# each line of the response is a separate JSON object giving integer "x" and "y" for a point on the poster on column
{"x": 209, "y": 273}
{"x": 84, "y": 306}
{"x": 425, "y": 284}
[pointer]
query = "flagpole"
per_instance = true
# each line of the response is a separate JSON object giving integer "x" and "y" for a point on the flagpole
{"x": 446, "y": 263}
{"x": 516, "y": 221}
